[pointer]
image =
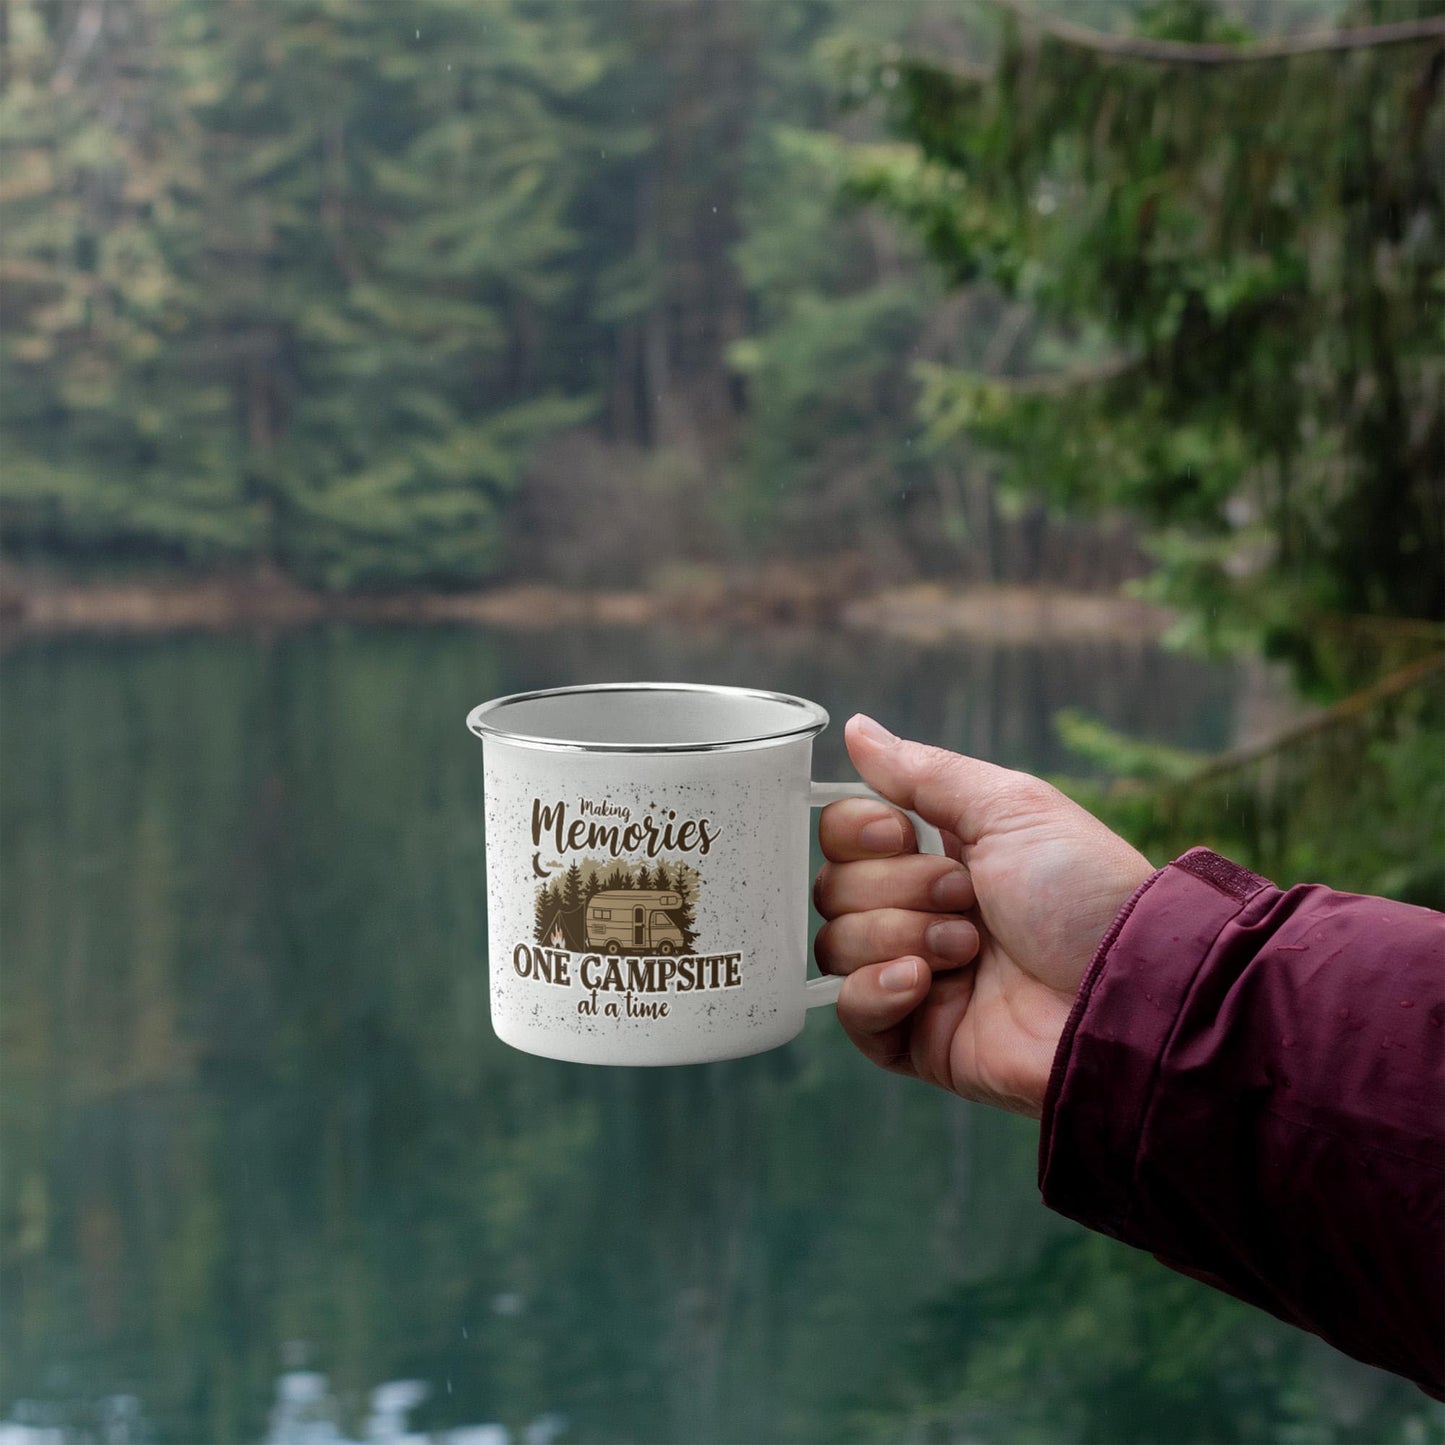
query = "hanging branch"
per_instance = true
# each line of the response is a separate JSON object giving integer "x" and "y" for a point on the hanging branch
{"x": 1351, "y": 709}
{"x": 1180, "y": 52}
{"x": 1053, "y": 383}
{"x": 1061, "y": 383}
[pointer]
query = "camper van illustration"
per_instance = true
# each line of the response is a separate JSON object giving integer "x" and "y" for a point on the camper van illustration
{"x": 614, "y": 906}
{"x": 634, "y": 920}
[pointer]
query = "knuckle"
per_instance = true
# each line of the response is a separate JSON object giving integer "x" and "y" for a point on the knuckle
{"x": 1024, "y": 794}
{"x": 882, "y": 931}
{"x": 935, "y": 761}
{"x": 825, "y": 949}
{"x": 936, "y": 764}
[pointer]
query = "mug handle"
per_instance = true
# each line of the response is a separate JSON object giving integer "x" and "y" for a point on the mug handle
{"x": 818, "y": 992}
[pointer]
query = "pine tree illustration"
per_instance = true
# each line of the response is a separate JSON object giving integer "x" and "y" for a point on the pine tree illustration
{"x": 683, "y": 913}
{"x": 572, "y": 889}
{"x": 572, "y": 920}
{"x": 549, "y": 903}
{"x": 644, "y": 877}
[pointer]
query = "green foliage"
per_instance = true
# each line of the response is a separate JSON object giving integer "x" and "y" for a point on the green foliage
{"x": 312, "y": 282}
{"x": 1239, "y": 269}
{"x": 116, "y": 430}
{"x": 433, "y": 144}
{"x": 840, "y": 303}
{"x": 1120, "y": 754}
{"x": 1117, "y": 1351}
{"x": 297, "y": 301}
{"x": 831, "y": 419}
{"x": 1353, "y": 797}
{"x": 1260, "y": 246}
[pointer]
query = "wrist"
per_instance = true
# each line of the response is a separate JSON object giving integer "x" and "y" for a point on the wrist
{"x": 1079, "y": 1003}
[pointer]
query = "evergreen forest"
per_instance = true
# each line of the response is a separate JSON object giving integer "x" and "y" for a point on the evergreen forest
{"x": 428, "y": 295}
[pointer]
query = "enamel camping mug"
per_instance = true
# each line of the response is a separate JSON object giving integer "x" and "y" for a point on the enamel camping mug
{"x": 647, "y": 870}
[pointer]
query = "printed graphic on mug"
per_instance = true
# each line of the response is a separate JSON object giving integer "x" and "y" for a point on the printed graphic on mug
{"x": 609, "y": 904}
{"x": 615, "y": 915}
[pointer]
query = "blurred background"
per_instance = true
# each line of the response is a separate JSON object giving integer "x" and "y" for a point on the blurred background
{"x": 1058, "y": 382}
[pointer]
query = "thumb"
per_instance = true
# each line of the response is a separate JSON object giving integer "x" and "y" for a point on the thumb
{"x": 948, "y": 789}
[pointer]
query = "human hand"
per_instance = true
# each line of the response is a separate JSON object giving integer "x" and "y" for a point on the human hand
{"x": 962, "y": 970}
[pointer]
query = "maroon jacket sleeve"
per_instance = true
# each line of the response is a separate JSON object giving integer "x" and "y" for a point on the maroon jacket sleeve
{"x": 1252, "y": 1087}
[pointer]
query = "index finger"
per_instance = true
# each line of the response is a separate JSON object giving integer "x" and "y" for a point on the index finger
{"x": 858, "y": 828}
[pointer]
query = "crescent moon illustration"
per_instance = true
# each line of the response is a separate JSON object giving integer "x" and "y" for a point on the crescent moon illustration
{"x": 537, "y": 868}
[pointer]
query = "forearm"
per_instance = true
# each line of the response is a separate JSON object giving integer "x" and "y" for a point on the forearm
{"x": 1250, "y": 1086}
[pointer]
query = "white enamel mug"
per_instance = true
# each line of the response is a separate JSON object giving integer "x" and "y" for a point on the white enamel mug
{"x": 647, "y": 870}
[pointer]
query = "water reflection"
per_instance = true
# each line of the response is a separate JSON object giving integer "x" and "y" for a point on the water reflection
{"x": 251, "y": 1097}
{"x": 306, "y": 1412}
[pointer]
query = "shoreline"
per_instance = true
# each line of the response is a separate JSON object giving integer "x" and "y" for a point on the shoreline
{"x": 919, "y": 612}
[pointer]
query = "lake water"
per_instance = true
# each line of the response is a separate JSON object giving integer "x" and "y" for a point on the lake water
{"x": 267, "y": 1174}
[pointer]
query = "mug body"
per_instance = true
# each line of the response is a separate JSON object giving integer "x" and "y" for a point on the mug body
{"x": 647, "y": 871}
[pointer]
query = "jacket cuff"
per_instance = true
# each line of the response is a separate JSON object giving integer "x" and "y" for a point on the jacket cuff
{"x": 1107, "y": 1062}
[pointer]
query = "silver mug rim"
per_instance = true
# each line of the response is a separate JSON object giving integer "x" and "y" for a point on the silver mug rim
{"x": 480, "y": 719}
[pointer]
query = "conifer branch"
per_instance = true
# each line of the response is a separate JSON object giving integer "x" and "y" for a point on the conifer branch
{"x": 1348, "y": 710}
{"x": 1061, "y": 383}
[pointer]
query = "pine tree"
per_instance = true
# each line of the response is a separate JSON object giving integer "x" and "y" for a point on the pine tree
{"x": 840, "y": 302}
{"x": 433, "y": 143}
{"x": 285, "y": 281}
{"x": 1236, "y": 266}
{"x": 117, "y": 433}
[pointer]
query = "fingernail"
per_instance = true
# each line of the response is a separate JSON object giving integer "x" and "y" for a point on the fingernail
{"x": 884, "y": 835}
{"x": 875, "y": 732}
{"x": 952, "y": 938}
{"x": 953, "y": 892}
{"x": 901, "y": 976}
